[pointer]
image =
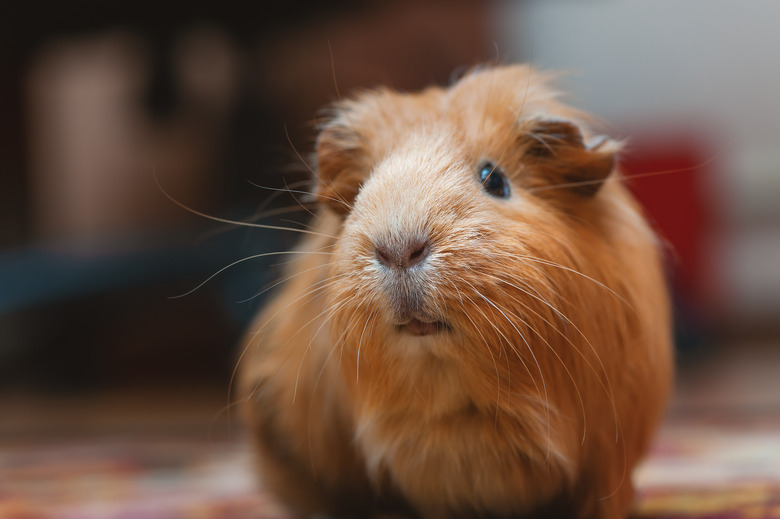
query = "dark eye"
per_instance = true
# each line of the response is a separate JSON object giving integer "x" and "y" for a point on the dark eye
{"x": 494, "y": 180}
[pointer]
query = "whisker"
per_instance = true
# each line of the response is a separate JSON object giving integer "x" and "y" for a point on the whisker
{"x": 281, "y": 189}
{"x": 283, "y": 210}
{"x": 224, "y": 410}
{"x": 337, "y": 344}
{"x": 511, "y": 345}
{"x": 242, "y": 260}
{"x": 300, "y": 192}
{"x": 536, "y": 361}
{"x": 638, "y": 175}
{"x": 328, "y": 312}
{"x": 553, "y": 327}
{"x": 360, "y": 344}
{"x": 292, "y": 192}
{"x": 256, "y": 216}
{"x": 295, "y": 150}
{"x": 275, "y": 284}
{"x": 233, "y": 222}
{"x": 297, "y": 200}
{"x": 347, "y": 329}
{"x": 574, "y": 271}
{"x": 261, "y": 210}
{"x": 333, "y": 69}
{"x": 309, "y": 293}
{"x": 487, "y": 346}
{"x": 607, "y": 387}
{"x": 623, "y": 474}
{"x": 316, "y": 287}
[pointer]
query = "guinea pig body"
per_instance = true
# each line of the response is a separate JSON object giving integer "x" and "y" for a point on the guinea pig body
{"x": 478, "y": 325}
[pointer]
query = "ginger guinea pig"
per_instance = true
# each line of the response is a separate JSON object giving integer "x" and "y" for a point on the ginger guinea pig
{"x": 477, "y": 324}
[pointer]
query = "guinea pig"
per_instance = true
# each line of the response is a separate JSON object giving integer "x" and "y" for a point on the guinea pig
{"x": 476, "y": 323}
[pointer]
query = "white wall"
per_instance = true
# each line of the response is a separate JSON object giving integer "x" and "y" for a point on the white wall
{"x": 676, "y": 58}
{"x": 712, "y": 64}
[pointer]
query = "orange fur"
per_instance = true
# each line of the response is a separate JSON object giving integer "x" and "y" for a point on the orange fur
{"x": 544, "y": 390}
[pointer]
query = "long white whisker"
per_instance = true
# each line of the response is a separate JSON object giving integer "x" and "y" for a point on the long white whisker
{"x": 300, "y": 192}
{"x": 487, "y": 346}
{"x": 316, "y": 287}
{"x": 536, "y": 361}
{"x": 606, "y": 386}
{"x": 328, "y": 312}
{"x": 555, "y": 353}
{"x": 287, "y": 279}
{"x": 234, "y": 222}
{"x": 242, "y": 260}
{"x": 360, "y": 344}
{"x": 578, "y": 273}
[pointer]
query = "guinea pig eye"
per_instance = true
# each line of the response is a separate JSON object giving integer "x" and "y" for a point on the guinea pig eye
{"x": 493, "y": 180}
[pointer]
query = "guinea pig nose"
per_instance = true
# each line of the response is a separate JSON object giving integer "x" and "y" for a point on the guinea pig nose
{"x": 403, "y": 255}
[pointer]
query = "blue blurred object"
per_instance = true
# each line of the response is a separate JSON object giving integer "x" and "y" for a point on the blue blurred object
{"x": 40, "y": 274}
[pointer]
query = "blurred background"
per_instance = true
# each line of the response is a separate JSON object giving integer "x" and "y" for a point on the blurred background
{"x": 99, "y": 101}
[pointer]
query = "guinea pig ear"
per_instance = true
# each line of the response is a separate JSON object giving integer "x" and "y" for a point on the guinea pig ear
{"x": 566, "y": 161}
{"x": 341, "y": 166}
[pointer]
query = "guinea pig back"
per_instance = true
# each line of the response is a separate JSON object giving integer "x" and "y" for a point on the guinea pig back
{"x": 477, "y": 325}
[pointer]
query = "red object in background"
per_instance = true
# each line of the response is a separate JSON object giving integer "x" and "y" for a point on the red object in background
{"x": 669, "y": 173}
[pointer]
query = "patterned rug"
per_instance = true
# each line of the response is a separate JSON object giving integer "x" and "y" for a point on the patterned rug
{"x": 716, "y": 469}
{"x": 704, "y": 468}
{"x": 130, "y": 479}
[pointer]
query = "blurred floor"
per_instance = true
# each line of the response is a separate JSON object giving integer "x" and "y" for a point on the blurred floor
{"x": 172, "y": 453}
{"x": 718, "y": 453}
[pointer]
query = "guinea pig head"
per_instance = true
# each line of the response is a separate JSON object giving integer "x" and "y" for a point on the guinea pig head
{"x": 452, "y": 200}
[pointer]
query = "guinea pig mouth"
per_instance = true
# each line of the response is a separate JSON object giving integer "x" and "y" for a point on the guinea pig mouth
{"x": 420, "y": 328}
